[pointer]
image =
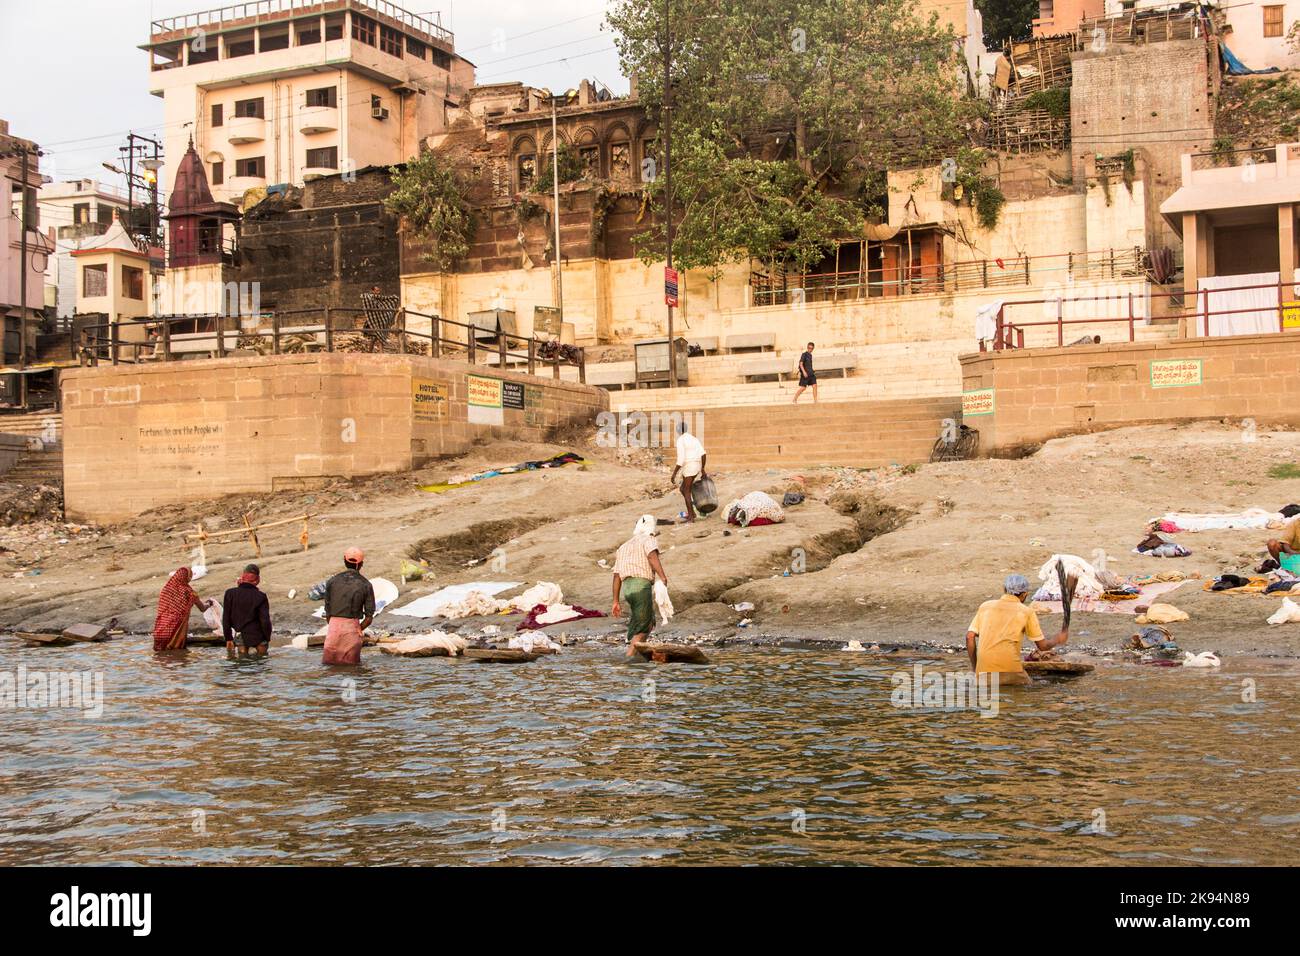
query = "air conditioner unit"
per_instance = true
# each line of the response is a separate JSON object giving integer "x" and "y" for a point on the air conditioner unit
{"x": 379, "y": 112}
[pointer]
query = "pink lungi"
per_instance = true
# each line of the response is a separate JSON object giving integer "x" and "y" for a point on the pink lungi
{"x": 342, "y": 642}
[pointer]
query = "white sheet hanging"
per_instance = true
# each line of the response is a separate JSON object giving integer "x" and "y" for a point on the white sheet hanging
{"x": 1261, "y": 303}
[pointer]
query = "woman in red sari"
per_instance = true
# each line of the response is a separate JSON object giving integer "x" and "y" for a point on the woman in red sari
{"x": 172, "y": 625}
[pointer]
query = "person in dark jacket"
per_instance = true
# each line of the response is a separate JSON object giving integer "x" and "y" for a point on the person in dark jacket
{"x": 245, "y": 610}
{"x": 807, "y": 377}
{"x": 349, "y": 609}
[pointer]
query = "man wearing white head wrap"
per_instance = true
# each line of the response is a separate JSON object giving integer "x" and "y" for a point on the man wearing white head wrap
{"x": 636, "y": 565}
{"x": 993, "y": 638}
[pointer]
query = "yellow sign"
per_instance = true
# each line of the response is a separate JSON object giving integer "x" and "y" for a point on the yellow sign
{"x": 1175, "y": 373}
{"x": 485, "y": 392}
{"x": 1291, "y": 315}
{"x": 978, "y": 402}
{"x": 428, "y": 400}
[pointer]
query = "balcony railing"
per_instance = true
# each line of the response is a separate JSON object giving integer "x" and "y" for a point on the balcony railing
{"x": 781, "y": 288}
{"x": 245, "y": 14}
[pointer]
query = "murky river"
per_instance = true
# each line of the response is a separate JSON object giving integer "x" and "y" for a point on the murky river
{"x": 773, "y": 756}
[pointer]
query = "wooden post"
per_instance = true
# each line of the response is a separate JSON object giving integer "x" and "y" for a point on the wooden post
{"x": 167, "y": 340}
{"x": 471, "y": 344}
{"x": 1060, "y": 321}
{"x": 221, "y": 338}
{"x": 304, "y": 539}
{"x": 435, "y": 326}
{"x": 401, "y": 333}
{"x": 275, "y": 333}
{"x": 252, "y": 536}
{"x": 1206, "y": 308}
{"x": 501, "y": 346}
{"x": 532, "y": 356}
{"x": 112, "y": 338}
{"x": 329, "y": 331}
{"x": 1131, "y": 337}
{"x": 582, "y": 364}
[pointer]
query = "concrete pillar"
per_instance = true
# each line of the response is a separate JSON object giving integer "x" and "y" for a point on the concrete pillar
{"x": 1193, "y": 268}
{"x": 1286, "y": 247}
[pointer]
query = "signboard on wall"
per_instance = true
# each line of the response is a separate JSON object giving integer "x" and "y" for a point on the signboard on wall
{"x": 1175, "y": 373}
{"x": 512, "y": 395}
{"x": 429, "y": 400}
{"x": 977, "y": 402}
{"x": 547, "y": 321}
{"x": 483, "y": 398}
{"x": 532, "y": 405}
{"x": 1291, "y": 315}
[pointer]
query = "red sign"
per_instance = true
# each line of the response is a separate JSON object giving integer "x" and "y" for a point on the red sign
{"x": 670, "y": 287}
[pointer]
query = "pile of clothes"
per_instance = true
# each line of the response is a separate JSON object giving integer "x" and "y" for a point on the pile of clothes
{"x": 754, "y": 509}
{"x": 1154, "y": 546}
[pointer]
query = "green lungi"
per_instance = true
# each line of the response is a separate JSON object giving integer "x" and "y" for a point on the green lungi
{"x": 638, "y": 593}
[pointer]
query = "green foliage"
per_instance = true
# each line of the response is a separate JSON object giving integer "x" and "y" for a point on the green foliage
{"x": 1056, "y": 101}
{"x": 1006, "y": 20}
{"x": 430, "y": 199}
{"x": 571, "y": 168}
{"x": 982, "y": 191}
{"x": 786, "y": 116}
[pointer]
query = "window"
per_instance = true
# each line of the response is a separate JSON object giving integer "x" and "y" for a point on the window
{"x": 254, "y": 167}
{"x": 527, "y": 172}
{"x": 334, "y": 31}
{"x": 325, "y": 96}
{"x": 240, "y": 48}
{"x": 94, "y": 281}
{"x": 218, "y": 173}
{"x": 390, "y": 41}
{"x": 216, "y": 114}
{"x": 132, "y": 282}
{"x": 620, "y": 160}
{"x": 364, "y": 29}
{"x": 104, "y": 214}
{"x": 308, "y": 35}
{"x": 590, "y": 156}
{"x": 277, "y": 42}
{"x": 1273, "y": 21}
{"x": 415, "y": 48}
{"x": 80, "y": 212}
{"x": 250, "y": 108}
{"x": 326, "y": 157}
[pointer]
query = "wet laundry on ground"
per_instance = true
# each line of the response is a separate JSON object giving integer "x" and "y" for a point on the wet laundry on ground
{"x": 460, "y": 481}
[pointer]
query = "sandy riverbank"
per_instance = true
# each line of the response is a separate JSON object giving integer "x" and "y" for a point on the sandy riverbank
{"x": 894, "y": 556}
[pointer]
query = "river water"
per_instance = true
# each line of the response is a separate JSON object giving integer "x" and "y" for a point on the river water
{"x": 782, "y": 756}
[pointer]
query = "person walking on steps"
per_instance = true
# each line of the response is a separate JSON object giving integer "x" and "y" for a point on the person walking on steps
{"x": 807, "y": 377}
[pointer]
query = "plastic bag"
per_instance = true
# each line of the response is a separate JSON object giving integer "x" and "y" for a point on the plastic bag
{"x": 213, "y": 616}
{"x": 704, "y": 495}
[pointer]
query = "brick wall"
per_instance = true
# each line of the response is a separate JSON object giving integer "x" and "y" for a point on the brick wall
{"x": 139, "y": 437}
{"x": 1042, "y": 393}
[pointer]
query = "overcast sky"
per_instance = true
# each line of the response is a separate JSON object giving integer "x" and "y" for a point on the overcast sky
{"x": 73, "y": 80}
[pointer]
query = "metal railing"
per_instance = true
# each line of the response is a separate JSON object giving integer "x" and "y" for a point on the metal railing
{"x": 218, "y": 18}
{"x": 1197, "y": 313}
{"x": 327, "y": 329}
{"x": 791, "y": 289}
{"x": 1227, "y": 158}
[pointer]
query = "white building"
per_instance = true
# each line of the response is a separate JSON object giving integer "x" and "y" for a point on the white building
{"x": 283, "y": 90}
{"x": 73, "y": 212}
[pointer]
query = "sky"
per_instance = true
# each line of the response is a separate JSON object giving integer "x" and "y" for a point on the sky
{"x": 73, "y": 79}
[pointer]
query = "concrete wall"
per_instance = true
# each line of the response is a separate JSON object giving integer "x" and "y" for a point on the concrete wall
{"x": 12, "y": 448}
{"x": 139, "y": 437}
{"x": 1153, "y": 98}
{"x": 1042, "y": 393}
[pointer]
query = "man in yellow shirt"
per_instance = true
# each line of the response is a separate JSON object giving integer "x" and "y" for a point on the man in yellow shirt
{"x": 993, "y": 639}
{"x": 1288, "y": 542}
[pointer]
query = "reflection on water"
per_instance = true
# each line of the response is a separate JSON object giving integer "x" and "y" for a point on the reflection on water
{"x": 584, "y": 759}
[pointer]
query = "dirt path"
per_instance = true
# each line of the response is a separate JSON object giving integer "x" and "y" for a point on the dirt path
{"x": 894, "y": 556}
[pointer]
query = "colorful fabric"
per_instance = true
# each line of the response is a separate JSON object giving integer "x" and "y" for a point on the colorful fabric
{"x": 172, "y": 623}
{"x": 249, "y": 577}
{"x": 756, "y": 505}
{"x": 558, "y": 614}
{"x": 632, "y": 560}
{"x": 559, "y": 461}
{"x": 638, "y": 595}
{"x": 343, "y": 641}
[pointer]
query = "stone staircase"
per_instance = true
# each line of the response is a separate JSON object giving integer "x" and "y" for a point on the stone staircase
{"x": 44, "y": 466}
{"x": 858, "y": 434}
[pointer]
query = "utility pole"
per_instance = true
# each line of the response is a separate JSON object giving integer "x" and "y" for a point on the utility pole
{"x": 22, "y": 285}
{"x": 555, "y": 187}
{"x": 668, "y": 179}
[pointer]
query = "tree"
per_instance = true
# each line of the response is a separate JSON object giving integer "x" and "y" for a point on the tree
{"x": 571, "y": 168}
{"x": 429, "y": 196}
{"x": 1007, "y": 20}
{"x": 785, "y": 119}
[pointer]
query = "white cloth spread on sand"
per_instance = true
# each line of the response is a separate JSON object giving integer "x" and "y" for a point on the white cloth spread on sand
{"x": 530, "y": 641}
{"x": 473, "y": 604}
{"x": 558, "y": 614}
{"x": 430, "y": 604}
{"x": 1252, "y": 518}
{"x": 543, "y": 592}
{"x": 756, "y": 504}
{"x": 416, "y": 646}
{"x": 663, "y": 602}
{"x": 1087, "y": 585}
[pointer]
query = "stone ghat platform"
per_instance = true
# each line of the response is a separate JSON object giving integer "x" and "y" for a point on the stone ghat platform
{"x": 140, "y": 436}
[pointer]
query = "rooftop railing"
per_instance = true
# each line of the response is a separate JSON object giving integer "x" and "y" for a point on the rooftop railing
{"x": 241, "y": 14}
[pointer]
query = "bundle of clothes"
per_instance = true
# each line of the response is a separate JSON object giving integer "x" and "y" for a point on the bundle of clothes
{"x": 542, "y": 604}
{"x": 754, "y": 509}
{"x": 1155, "y": 546}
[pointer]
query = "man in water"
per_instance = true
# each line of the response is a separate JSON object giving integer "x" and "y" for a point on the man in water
{"x": 807, "y": 377}
{"x": 993, "y": 639}
{"x": 636, "y": 564}
{"x": 349, "y": 609}
{"x": 246, "y": 611}
{"x": 691, "y": 457}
